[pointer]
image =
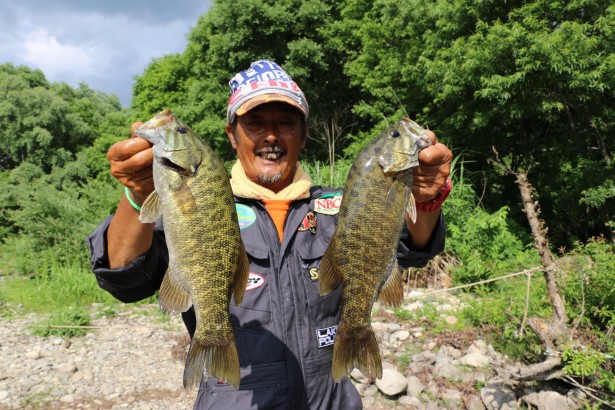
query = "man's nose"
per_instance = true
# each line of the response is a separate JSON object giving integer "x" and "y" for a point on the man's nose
{"x": 271, "y": 135}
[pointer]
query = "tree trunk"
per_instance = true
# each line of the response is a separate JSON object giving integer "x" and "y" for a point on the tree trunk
{"x": 554, "y": 333}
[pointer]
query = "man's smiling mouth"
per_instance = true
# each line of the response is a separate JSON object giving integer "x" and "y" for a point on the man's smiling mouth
{"x": 270, "y": 153}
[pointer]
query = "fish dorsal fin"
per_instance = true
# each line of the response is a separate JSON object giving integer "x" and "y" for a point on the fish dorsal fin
{"x": 392, "y": 291}
{"x": 329, "y": 276}
{"x": 151, "y": 210}
{"x": 172, "y": 296}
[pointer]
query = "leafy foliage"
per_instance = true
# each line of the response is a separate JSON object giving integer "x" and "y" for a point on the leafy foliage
{"x": 588, "y": 284}
{"x": 46, "y": 124}
{"x": 532, "y": 79}
{"x": 583, "y": 362}
{"x": 483, "y": 241}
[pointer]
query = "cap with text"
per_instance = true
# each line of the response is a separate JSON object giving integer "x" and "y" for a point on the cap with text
{"x": 263, "y": 82}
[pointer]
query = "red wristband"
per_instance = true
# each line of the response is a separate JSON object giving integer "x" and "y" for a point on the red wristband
{"x": 435, "y": 204}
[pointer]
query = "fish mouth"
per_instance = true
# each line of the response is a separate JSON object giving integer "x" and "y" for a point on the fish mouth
{"x": 167, "y": 163}
{"x": 166, "y": 159}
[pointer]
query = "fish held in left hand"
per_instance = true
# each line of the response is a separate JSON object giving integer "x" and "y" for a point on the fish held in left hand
{"x": 207, "y": 260}
{"x": 362, "y": 251}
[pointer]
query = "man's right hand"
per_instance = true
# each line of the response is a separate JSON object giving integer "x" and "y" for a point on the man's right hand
{"x": 131, "y": 164}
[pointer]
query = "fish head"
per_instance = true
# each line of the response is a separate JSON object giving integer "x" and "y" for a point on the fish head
{"x": 176, "y": 146}
{"x": 400, "y": 146}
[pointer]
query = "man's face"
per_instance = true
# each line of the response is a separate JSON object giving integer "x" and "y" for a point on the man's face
{"x": 268, "y": 140}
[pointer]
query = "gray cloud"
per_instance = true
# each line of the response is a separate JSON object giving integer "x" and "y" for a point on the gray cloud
{"x": 104, "y": 43}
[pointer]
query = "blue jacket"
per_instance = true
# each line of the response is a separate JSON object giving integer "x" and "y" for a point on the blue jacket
{"x": 284, "y": 329}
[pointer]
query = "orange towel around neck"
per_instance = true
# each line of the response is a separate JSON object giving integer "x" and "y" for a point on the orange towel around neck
{"x": 278, "y": 208}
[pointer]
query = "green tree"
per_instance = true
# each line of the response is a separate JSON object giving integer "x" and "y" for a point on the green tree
{"x": 46, "y": 124}
{"x": 532, "y": 79}
{"x": 231, "y": 35}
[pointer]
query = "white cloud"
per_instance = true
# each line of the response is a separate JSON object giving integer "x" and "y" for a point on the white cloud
{"x": 105, "y": 43}
{"x": 43, "y": 50}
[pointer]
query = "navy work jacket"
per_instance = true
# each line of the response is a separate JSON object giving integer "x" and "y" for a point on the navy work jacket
{"x": 284, "y": 329}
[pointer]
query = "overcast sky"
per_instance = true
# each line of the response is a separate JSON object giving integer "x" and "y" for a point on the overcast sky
{"x": 102, "y": 42}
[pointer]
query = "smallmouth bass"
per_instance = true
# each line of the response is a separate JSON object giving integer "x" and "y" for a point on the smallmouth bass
{"x": 207, "y": 259}
{"x": 362, "y": 251}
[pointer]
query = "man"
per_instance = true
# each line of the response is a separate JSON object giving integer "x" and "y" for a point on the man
{"x": 283, "y": 327}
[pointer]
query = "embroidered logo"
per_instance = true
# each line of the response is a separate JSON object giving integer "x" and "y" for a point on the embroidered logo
{"x": 325, "y": 337}
{"x": 308, "y": 223}
{"x": 245, "y": 215}
{"x": 328, "y": 204}
{"x": 255, "y": 281}
{"x": 314, "y": 274}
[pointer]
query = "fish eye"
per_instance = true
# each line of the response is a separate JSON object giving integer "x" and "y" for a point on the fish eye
{"x": 182, "y": 130}
{"x": 395, "y": 134}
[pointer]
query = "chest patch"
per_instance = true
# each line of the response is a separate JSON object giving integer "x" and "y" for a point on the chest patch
{"x": 328, "y": 204}
{"x": 325, "y": 337}
{"x": 308, "y": 223}
{"x": 245, "y": 215}
{"x": 255, "y": 281}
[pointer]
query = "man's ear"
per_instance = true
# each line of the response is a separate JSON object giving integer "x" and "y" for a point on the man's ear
{"x": 230, "y": 133}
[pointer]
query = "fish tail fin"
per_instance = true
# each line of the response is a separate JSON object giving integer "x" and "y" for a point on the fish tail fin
{"x": 356, "y": 347}
{"x": 392, "y": 291}
{"x": 220, "y": 361}
{"x": 241, "y": 277}
{"x": 172, "y": 297}
{"x": 328, "y": 276}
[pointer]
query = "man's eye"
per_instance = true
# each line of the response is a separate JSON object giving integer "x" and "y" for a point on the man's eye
{"x": 287, "y": 121}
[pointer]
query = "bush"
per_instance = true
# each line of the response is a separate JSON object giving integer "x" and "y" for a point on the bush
{"x": 588, "y": 285}
{"x": 482, "y": 241}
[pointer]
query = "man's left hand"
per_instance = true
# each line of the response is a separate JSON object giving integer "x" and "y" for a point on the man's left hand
{"x": 433, "y": 170}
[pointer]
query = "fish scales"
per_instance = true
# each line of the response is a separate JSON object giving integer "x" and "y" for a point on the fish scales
{"x": 362, "y": 252}
{"x": 207, "y": 259}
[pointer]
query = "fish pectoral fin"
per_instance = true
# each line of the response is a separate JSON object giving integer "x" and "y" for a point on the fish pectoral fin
{"x": 185, "y": 199}
{"x": 328, "y": 274}
{"x": 172, "y": 297}
{"x": 411, "y": 208}
{"x": 242, "y": 275}
{"x": 392, "y": 291}
{"x": 151, "y": 210}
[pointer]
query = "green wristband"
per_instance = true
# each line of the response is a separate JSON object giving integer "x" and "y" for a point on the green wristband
{"x": 132, "y": 201}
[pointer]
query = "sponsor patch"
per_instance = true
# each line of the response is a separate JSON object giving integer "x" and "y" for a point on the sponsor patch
{"x": 255, "y": 281}
{"x": 314, "y": 274}
{"x": 325, "y": 337}
{"x": 328, "y": 204}
{"x": 245, "y": 215}
{"x": 308, "y": 223}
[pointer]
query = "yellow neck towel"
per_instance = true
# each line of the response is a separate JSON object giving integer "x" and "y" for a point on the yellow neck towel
{"x": 277, "y": 204}
{"x": 245, "y": 188}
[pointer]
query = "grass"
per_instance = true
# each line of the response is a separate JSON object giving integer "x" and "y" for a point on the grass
{"x": 36, "y": 401}
{"x": 319, "y": 172}
{"x": 66, "y": 323}
{"x": 64, "y": 299}
{"x": 64, "y": 287}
